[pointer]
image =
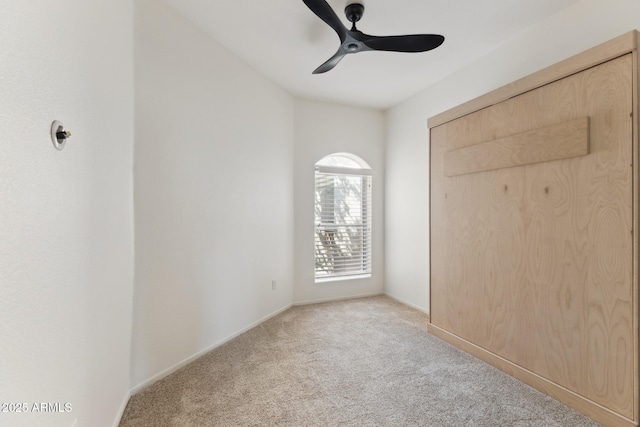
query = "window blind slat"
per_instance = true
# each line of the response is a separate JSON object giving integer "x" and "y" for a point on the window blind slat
{"x": 343, "y": 224}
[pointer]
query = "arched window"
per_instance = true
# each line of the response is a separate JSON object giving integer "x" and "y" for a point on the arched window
{"x": 342, "y": 217}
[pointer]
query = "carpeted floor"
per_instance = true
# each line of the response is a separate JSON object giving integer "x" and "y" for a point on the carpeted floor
{"x": 362, "y": 362}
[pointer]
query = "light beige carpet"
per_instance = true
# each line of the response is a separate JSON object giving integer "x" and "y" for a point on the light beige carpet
{"x": 363, "y": 362}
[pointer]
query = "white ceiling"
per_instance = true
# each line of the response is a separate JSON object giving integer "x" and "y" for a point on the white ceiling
{"x": 285, "y": 41}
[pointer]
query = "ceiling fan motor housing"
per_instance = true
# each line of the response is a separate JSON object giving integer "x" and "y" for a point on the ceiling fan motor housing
{"x": 354, "y": 12}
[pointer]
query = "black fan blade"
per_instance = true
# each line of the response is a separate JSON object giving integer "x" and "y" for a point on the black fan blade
{"x": 331, "y": 62}
{"x": 410, "y": 43}
{"x": 324, "y": 12}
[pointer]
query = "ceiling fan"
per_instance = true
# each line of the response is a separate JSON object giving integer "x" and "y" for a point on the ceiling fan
{"x": 354, "y": 41}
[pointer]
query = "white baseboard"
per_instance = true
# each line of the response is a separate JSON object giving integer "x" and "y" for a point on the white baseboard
{"x": 120, "y": 413}
{"x": 319, "y": 301}
{"x": 401, "y": 301}
{"x": 190, "y": 359}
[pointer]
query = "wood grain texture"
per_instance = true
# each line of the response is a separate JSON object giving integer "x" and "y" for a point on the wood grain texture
{"x": 535, "y": 263}
{"x": 555, "y": 142}
{"x": 636, "y": 228}
{"x": 619, "y": 46}
{"x": 579, "y": 403}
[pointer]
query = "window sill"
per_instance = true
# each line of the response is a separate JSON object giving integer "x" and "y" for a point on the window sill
{"x": 342, "y": 278}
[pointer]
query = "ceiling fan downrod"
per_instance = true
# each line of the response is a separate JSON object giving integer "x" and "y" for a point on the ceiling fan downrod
{"x": 354, "y": 12}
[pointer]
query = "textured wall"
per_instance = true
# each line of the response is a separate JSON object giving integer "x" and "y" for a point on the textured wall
{"x": 66, "y": 218}
{"x": 213, "y": 193}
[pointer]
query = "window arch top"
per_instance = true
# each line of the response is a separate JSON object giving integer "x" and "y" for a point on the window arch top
{"x": 343, "y": 160}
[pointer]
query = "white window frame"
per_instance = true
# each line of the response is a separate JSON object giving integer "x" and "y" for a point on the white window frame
{"x": 359, "y": 263}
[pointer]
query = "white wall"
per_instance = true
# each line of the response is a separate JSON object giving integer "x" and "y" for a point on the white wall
{"x": 66, "y": 218}
{"x": 322, "y": 129}
{"x": 577, "y": 28}
{"x": 213, "y": 193}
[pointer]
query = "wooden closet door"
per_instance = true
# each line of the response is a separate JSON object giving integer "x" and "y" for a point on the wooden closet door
{"x": 534, "y": 262}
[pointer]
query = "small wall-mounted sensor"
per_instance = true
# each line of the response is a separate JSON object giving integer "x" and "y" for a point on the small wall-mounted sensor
{"x": 59, "y": 135}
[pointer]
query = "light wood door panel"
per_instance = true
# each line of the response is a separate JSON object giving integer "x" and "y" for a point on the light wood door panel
{"x": 534, "y": 262}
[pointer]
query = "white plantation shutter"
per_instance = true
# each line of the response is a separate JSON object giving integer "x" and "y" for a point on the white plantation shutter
{"x": 342, "y": 222}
